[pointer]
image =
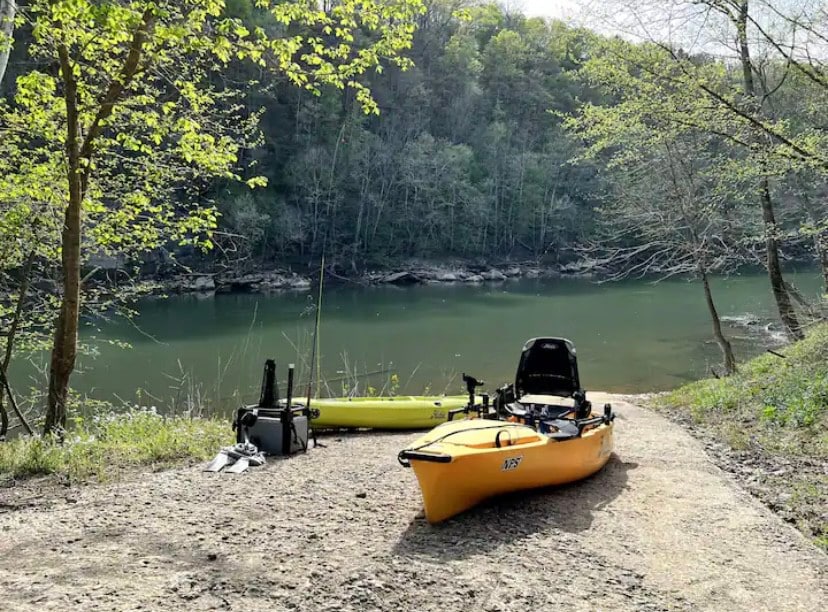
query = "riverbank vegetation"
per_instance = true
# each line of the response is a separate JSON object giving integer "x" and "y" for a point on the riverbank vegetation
{"x": 140, "y": 138}
{"x": 772, "y": 419}
{"x": 99, "y": 447}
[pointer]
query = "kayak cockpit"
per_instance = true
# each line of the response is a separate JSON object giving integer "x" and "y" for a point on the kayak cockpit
{"x": 540, "y": 431}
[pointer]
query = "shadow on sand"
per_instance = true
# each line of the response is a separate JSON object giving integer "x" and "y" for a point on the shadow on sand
{"x": 507, "y": 518}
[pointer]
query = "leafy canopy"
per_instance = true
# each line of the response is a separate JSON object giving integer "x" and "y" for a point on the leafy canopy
{"x": 176, "y": 120}
{"x": 151, "y": 90}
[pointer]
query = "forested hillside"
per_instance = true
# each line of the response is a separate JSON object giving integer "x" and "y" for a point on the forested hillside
{"x": 465, "y": 157}
{"x": 468, "y": 156}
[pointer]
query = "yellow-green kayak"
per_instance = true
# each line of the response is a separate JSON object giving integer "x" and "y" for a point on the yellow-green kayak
{"x": 400, "y": 412}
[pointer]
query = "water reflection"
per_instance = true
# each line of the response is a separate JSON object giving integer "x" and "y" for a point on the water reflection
{"x": 631, "y": 336}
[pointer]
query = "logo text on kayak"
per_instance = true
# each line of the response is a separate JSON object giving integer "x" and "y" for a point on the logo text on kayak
{"x": 511, "y": 463}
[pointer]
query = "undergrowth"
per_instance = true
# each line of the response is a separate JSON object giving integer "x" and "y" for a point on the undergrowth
{"x": 97, "y": 448}
{"x": 784, "y": 401}
{"x": 775, "y": 409}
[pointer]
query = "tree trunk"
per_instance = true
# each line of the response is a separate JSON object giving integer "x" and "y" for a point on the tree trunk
{"x": 4, "y": 418}
{"x": 729, "y": 361}
{"x": 4, "y": 366}
{"x": 777, "y": 281}
{"x": 4, "y": 383}
{"x": 79, "y": 155}
{"x": 816, "y": 217}
{"x": 821, "y": 245}
{"x": 812, "y": 311}
{"x": 64, "y": 348}
{"x": 744, "y": 50}
{"x": 8, "y": 9}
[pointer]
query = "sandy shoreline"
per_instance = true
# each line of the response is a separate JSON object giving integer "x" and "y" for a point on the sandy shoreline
{"x": 341, "y": 528}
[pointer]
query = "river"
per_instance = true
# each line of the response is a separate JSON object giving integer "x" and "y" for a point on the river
{"x": 631, "y": 336}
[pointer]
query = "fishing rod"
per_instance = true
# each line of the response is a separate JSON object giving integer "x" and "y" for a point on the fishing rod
{"x": 315, "y": 344}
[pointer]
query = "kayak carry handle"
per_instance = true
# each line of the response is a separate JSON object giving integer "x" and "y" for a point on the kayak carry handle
{"x": 581, "y": 425}
{"x": 405, "y": 455}
{"x": 497, "y": 438}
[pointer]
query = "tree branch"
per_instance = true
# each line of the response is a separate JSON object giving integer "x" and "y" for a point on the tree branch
{"x": 117, "y": 86}
{"x": 735, "y": 109}
{"x": 8, "y": 9}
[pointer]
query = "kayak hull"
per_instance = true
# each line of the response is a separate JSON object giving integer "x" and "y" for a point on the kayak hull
{"x": 466, "y": 467}
{"x": 400, "y": 412}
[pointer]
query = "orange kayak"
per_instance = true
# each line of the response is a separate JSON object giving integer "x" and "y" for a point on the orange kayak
{"x": 460, "y": 463}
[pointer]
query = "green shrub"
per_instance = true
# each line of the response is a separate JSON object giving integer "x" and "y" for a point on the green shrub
{"x": 777, "y": 407}
{"x": 790, "y": 394}
{"x": 103, "y": 444}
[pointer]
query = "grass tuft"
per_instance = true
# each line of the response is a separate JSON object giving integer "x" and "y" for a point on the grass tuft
{"x": 99, "y": 448}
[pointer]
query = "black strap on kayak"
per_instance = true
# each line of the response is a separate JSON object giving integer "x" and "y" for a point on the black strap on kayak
{"x": 497, "y": 437}
{"x": 411, "y": 452}
{"x": 404, "y": 457}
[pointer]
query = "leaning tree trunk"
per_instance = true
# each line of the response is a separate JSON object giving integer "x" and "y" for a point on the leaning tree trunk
{"x": 812, "y": 311}
{"x": 821, "y": 246}
{"x": 6, "y": 362}
{"x": 729, "y": 361}
{"x": 4, "y": 423}
{"x": 783, "y": 301}
{"x": 8, "y": 8}
{"x": 777, "y": 281}
{"x": 816, "y": 216}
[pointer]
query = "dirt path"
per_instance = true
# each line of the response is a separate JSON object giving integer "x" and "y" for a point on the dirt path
{"x": 660, "y": 528}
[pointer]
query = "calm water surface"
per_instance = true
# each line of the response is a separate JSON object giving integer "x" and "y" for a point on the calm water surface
{"x": 631, "y": 336}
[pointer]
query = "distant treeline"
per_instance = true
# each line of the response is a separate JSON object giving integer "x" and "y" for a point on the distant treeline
{"x": 466, "y": 158}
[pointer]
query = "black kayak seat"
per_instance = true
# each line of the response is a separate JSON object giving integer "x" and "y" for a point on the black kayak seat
{"x": 547, "y": 366}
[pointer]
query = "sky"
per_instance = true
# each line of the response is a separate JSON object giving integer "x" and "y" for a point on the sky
{"x": 686, "y": 24}
{"x": 677, "y": 22}
{"x": 548, "y": 8}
